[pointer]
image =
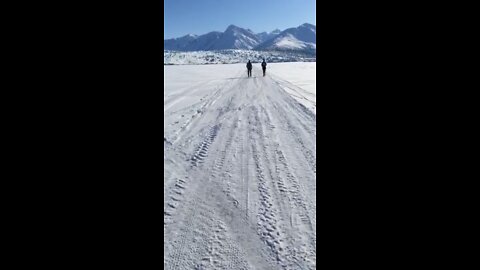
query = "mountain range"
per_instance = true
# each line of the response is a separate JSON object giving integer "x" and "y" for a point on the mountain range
{"x": 301, "y": 38}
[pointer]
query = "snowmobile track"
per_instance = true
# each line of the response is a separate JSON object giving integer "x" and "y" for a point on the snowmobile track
{"x": 240, "y": 182}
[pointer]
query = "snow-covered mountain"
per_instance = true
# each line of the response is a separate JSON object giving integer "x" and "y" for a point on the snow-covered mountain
{"x": 201, "y": 43}
{"x": 302, "y": 38}
{"x": 178, "y": 44}
{"x": 264, "y": 36}
{"x": 236, "y": 38}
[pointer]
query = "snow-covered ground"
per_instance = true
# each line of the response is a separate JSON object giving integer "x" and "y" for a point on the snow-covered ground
{"x": 298, "y": 79}
{"x": 232, "y": 57}
{"x": 240, "y": 167}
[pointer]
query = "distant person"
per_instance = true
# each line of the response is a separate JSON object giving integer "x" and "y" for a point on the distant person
{"x": 249, "y": 69}
{"x": 264, "y": 67}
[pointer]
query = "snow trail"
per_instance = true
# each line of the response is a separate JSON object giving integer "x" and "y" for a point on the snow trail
{"x": 239, "y": 179}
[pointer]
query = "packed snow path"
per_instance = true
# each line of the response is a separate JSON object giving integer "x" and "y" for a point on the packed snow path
{"x": 239, "y": 178}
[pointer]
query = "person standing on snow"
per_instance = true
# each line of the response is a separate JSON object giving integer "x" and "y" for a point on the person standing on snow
{"x": 264, "y": 67}
{"x": 249, "y": 69}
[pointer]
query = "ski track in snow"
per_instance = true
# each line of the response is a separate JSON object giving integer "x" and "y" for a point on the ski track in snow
{"x": 239, "y": 179}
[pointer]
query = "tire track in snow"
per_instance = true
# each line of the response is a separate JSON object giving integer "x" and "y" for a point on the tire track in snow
{"x": 200, "y": 109}
{"x": 246, "y": 146}
{"x": 201, "y": 154}
{"x": 202, "y": 150}
{"x": 304, "y": 243}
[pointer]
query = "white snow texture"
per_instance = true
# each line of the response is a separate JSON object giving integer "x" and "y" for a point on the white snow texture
{"x": 240, "y": 167}
{"x": 233, "y": 57}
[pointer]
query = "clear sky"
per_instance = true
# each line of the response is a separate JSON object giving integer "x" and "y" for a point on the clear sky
{"x": 202, "y": 16}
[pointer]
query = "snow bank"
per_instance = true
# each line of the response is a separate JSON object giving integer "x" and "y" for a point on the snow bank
{"x": 232, "y": 57}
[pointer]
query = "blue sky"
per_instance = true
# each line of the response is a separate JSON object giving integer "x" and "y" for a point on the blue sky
{"x": 202, "y": 16}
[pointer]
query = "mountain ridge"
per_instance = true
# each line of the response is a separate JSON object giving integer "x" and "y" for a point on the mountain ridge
{"x": 301, "y": 38}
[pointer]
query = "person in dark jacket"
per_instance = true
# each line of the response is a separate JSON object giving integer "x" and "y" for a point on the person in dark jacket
{"x": 249, "y": 69}
{"x": 264, "y": 67}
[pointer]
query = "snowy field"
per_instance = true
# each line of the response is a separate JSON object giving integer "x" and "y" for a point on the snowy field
{"x": 240, "y": 167}
{"x": 233, "y": 57}
{"x": 298, "y": 79}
